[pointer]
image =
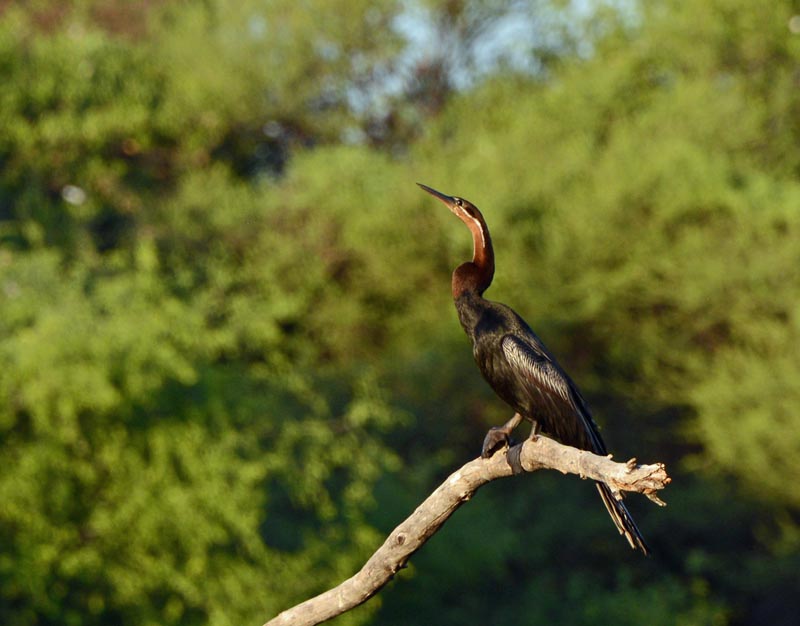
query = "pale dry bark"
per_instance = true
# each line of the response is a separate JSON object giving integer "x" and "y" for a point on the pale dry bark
{"x": 410, "y": 535}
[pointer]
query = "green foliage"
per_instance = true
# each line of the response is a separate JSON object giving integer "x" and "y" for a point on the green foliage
{"x": 135, "y": 454}
{"x": 661, "y": 237}
{"x": 228, "y": 358}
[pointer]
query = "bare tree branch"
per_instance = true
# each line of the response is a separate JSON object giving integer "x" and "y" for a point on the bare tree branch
{"x": 410, "y": 535}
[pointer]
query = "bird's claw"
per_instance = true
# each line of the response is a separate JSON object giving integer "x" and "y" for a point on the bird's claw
{"x": 496, "y": 438}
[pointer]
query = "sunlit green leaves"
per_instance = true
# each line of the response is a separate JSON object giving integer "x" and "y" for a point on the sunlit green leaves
{"x": 226, "y": 327}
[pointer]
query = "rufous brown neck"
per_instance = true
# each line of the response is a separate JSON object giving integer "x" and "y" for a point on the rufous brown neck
{"x": 475, "y": 275}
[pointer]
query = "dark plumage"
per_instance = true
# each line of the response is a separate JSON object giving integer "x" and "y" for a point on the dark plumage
{"x": 518, "y": 366}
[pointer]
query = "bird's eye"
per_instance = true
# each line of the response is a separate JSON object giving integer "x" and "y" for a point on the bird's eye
{"x": 459, "y": 202}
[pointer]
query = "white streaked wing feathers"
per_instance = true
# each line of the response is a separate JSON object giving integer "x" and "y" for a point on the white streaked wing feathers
{"x": 543, "y": 370}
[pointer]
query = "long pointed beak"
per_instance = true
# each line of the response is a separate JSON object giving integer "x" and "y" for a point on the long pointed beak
{"x": 448, "y": 200}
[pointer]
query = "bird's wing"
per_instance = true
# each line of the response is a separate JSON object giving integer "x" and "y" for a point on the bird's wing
{"x": 534, "y": 364}
{"x": 570, "y": 419}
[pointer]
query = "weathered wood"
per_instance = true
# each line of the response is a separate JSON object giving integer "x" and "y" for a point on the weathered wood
{"x": 410, "y": 535}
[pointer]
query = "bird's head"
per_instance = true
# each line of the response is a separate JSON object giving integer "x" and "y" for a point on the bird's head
{"x": 465, "y": 211}
{"x": 462, "y": 208}
{"x": 475, "y": 275}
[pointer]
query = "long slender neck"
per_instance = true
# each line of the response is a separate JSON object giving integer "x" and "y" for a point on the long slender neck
{"x": 475, "y": 275}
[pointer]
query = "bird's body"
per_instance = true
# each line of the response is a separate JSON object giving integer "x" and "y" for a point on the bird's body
{"x": 518, "y": 366}
{"x": 521, "y": 370}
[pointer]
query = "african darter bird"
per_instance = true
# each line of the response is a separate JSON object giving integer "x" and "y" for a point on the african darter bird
{"x": 518, "y": 366}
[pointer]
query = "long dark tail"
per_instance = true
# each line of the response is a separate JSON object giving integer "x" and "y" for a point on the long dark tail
{"x": 622, "y": 518}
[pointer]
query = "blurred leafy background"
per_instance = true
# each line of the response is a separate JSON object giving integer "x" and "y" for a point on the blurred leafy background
{"x": 228, "y": 359}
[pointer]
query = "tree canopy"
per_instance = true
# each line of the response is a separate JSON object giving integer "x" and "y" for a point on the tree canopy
{"x": 229, "y": 362}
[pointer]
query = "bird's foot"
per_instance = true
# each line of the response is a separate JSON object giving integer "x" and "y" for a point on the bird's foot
{"x": 496, "y": 438}
{"x": 534, "y": 436}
